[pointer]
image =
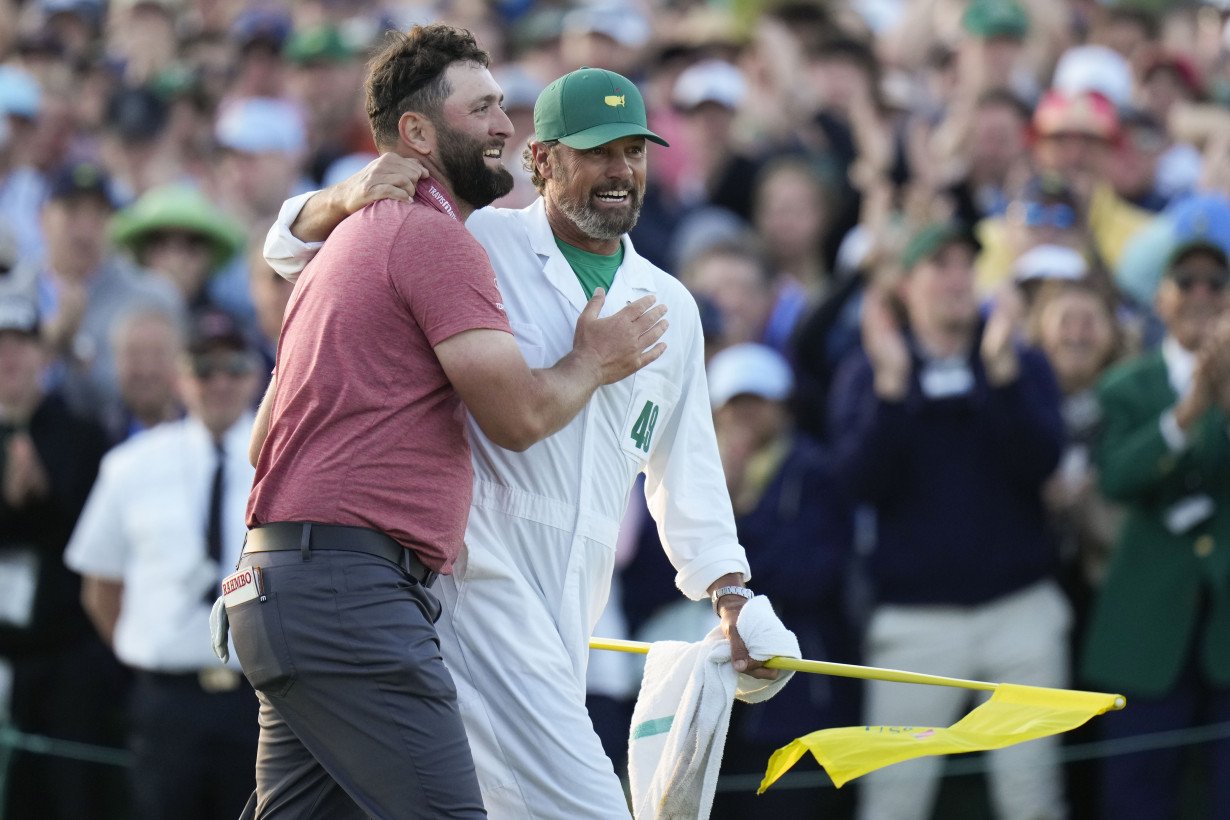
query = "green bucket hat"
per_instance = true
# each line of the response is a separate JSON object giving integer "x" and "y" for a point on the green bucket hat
{"x": 590, "y": 107}
{"x": 178, "y": 207}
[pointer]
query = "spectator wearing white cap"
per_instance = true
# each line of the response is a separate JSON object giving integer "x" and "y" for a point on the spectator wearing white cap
{"x": 263, "y": 144}
{"x": 606, "y": 34}
{"x": 1095, "y": 69}
{"x": 1049, "y": 262}
{"x": 707, "y": 96}
{"x": 793, "y": 514}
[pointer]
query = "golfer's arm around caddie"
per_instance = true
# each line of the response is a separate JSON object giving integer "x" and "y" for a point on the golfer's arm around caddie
{"x": 305, "y": 222}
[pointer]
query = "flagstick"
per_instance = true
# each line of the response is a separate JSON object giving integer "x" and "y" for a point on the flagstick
{"x": 843, "y": 670}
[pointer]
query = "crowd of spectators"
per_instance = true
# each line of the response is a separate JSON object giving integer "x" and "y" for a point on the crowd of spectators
{"x": 962, "y": 266}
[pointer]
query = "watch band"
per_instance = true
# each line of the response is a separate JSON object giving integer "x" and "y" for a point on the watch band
{"x": 720, "y": 592}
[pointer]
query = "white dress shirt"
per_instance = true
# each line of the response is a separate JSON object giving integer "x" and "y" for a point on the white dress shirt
{"x": 144, "y": 526}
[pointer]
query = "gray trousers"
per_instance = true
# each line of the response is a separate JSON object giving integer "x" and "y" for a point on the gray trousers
{"x": 358, "y": 714}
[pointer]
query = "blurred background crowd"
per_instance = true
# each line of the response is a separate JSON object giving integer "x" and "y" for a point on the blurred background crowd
{"x": 962, "y": 266}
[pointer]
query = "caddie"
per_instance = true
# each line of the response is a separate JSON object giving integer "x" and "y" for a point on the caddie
{"x": 536, "y": 571}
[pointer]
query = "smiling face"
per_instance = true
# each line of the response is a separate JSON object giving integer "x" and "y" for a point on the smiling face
{"x": 1076, "y": 331}
{"x": 1192, "y": 295}
{"x": 598, "y": 191}
{"x": 471, "y": 132}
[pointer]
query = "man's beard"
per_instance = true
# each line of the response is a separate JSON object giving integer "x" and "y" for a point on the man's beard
{"x": 472, "y": 181}
{"x": 595, "y": 223}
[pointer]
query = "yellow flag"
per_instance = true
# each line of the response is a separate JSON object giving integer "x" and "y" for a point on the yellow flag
{"x": 1012, "y": 715}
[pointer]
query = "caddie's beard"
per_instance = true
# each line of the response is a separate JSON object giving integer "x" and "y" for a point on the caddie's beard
{"x": 472, "y": 180}
{"x": 595, "y": 222}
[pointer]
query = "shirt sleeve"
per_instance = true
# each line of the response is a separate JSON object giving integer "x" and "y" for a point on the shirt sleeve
{"x": 98, "y": 546}
{"x": 445, "y": 278}
{"x": 685, "y": 487}
{"x": 286, "y": 253}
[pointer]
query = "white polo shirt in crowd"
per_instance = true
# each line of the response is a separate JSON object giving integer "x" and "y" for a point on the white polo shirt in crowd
{"x": 144, "y": 526}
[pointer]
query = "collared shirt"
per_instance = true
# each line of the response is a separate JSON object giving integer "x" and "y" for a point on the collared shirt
{"x": 144, "y": 526}
{"x": 1181, "y": 371}
{"x": 1180, "y": 365}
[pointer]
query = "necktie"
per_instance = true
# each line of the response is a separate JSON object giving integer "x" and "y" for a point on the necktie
{"x": 213, "y": 519}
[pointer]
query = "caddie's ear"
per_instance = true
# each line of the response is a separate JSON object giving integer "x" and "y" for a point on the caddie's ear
{"x": 541, "y": 152}
{"x": 417, "y": 132}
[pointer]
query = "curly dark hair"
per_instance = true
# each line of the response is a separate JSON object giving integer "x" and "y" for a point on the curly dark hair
{"x": 408, "y": 75}
{"x": 527, "y": 162}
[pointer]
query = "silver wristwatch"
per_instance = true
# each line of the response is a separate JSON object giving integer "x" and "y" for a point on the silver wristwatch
{"x": 723, "y": 591}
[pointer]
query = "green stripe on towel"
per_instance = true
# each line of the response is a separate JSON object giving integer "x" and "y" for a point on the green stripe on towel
{"x": 649, "y": 728}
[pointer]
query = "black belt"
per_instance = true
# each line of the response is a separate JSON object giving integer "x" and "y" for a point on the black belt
{"x": 281, "y": 536}
{"x": 210, "y": 679}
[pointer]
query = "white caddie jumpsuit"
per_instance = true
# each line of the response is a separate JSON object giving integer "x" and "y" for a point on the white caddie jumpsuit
{"x": 536, "y": 570}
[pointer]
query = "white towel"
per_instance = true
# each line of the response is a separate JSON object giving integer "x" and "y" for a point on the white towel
{"x": 682, "y": 714}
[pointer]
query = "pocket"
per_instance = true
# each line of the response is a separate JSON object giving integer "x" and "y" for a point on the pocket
{"x": 529, "y": 339}
{"x": 653, "y": 400}
{"x": 260, "y": 644}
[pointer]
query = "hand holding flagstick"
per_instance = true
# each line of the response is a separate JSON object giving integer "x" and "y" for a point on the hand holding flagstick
{"x": 1013, "y": 714}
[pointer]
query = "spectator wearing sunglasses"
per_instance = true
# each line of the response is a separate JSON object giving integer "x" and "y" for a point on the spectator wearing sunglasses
{"x": 1160, "y": 628}
{"x": 163, "y": 524}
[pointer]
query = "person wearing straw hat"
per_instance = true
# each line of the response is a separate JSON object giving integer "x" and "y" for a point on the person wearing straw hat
{"x": 536, "y": 572}
{"x": 175, "y": 232}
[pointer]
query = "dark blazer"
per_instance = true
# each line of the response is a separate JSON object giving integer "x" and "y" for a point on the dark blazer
{"x": 1163, "y": 589}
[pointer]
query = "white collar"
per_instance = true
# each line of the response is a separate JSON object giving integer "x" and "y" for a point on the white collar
{"x": 1180, "y": 365}
{"x": 234, "y": 440}
{"x": 542, "y": 240}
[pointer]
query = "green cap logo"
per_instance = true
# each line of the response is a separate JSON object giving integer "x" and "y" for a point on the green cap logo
{"x": 591, "y": 107}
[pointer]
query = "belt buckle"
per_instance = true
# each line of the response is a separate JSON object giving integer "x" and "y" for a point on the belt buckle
{"x": 216, "y": 679}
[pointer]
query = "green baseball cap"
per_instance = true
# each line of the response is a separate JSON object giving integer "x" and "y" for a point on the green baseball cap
{"x": 996, "y": 18}
{"x": 319, "y": 44}
{"x": 931, "y": 239}
{"x": 590, "y": 107}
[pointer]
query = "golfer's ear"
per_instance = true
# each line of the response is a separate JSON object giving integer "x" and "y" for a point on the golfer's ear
{"x": 417, "y": 132}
